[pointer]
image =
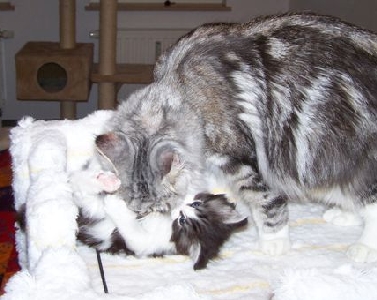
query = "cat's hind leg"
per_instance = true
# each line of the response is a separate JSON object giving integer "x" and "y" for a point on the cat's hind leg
{"x": 365, "y": 249}
{"x": 341, "y": 217}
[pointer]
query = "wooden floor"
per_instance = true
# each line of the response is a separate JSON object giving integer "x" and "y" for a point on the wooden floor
{"x": 4, "y": 138}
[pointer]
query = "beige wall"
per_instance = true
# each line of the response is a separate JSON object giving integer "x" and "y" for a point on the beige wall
{"x": 38, "y": 20}
{"x": 360, "y": 12}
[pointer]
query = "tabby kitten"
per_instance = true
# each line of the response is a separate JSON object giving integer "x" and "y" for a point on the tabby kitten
{"x": 285, "y": 106}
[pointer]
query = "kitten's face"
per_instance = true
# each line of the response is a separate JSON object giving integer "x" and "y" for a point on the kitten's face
{"x": 202, "y": 224}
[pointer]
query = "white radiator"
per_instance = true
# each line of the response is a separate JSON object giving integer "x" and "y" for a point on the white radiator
{"x": 143, "y": 46}
{"x": 4, "y": 34}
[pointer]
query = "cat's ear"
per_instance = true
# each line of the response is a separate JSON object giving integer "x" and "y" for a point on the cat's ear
{"x": 111, "y": 145}
{"x": 169, "y": 161}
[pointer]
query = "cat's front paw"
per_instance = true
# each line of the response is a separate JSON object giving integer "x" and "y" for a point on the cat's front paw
{"x": 361, "y": 253}
{"x": 275, "y": 243}
{"x": 274, "y": 247}
{"x": 342, "y": 218}
{"x": 116, "y": 208}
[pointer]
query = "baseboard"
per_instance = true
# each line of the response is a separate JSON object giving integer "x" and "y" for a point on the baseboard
{"x": 8, "y": 123}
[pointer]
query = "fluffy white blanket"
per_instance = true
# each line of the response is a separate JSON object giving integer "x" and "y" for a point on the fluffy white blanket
{"x": 54, "y": 267}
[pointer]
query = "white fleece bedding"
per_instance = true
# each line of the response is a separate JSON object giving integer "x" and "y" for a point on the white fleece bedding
{"x": 54, "y": 267}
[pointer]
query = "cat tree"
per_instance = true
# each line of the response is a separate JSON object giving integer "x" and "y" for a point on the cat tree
{"x": 56, "y": 71}
{"x": 108, "y": 74}
{"x": 63, "y": 71}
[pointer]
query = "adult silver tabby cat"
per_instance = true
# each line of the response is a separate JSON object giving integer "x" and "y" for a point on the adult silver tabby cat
{"x": 285, "y": 107}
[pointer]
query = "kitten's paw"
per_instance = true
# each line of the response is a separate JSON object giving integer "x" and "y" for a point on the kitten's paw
{"x": 274, "y": 247}
{"x": 362, "y": 253}
{"x": 109, "y": 181}
{"x": 342, "y": 218}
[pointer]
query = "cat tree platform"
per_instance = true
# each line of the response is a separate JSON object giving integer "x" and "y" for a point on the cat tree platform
{"x": 45, "y": 71}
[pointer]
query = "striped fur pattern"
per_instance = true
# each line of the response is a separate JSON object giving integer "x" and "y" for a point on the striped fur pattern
{"x": 285, "y": 106}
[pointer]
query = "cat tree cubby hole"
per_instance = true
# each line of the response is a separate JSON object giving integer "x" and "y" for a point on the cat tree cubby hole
{"x": 45, "y": 71}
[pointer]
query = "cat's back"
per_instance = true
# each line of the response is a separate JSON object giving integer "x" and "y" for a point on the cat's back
{"x": 276, "y": 35}
{"x": 290, "y": 59}
{"x": 301, "y": 85}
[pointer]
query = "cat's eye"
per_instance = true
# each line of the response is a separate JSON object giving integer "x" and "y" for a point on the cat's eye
{"x": 195, "y": 204}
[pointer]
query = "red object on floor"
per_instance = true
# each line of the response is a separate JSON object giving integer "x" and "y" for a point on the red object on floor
{"x": 8, "y": 255}
{"x": 5, "y": 169}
